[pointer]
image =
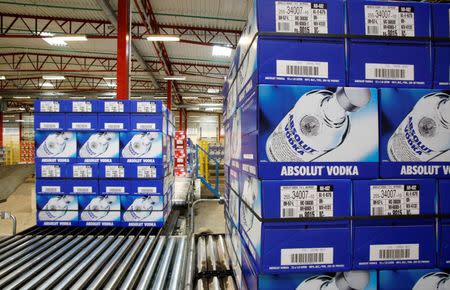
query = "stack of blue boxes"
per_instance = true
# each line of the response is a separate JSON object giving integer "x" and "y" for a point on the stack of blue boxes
{"x": 103, "y": 163}
{"x": 337, "y": 154}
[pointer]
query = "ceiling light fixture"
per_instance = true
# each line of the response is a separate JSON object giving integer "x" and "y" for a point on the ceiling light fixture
{"x": 175, "y": 78}
{"x": 213, "y": 91}
{"x": 22, "y": 97}
{"x": 63, "y": 39}
{"x": 109, "y": 78}
{"x": 2, "y": 78}
{"x": 167, "y": 37}
{"x": 53, "y": 78}
{"x": 221, "y": 51}
{"x": 47, "y": 85}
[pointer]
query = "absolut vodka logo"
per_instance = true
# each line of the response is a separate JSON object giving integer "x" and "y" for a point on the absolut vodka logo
{"x": 413, "y": 140}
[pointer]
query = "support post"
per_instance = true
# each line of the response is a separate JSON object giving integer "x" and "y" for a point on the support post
{"x": 1, "y": 129}
{"x": 180, "y": 123}
{"x": 169, "y": 94}
{"x": 123, "y": 49}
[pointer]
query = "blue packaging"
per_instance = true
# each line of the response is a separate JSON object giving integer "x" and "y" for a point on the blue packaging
{"x": 147, "y": 171}
{"x": 441, "y": 44}
{"x": 83, "y": 186}
{"x": 49, "y": 122}
{"x": 99, "y": 210}
{"x": 83, "y": 106}
{"x": 421, "y": 279}
{"x": 50, "y": 106}
{"x": 148, "y": 187}
{"x": 233, "y": 206}
{"x": 82, "y": 122}
{"x": 55, "y": 145}
{"x": 57, "y": 210}
{"x": 114, "y": 170}
{"x": 52, "y": 186}
{"x": 114, "y": 106}
{"x": 415, "y": 134}
{"x": 444, "y": 223}
{"x": 114, "y": 187}
{"x": 113, "y": 122}
{"x": 284, "y": 151}
{"x": 390, "y": 242}
{"x": 148, "y": 123}
{"x": 83, "y": 170}
{"x": 384, "y": 36}
{"x": 139, "y": 147}
{"x": 140, "y": 211}
{"x": 96, "y": 146}
{"x": 147, "y": 107}
{"x": 51, "y": 170}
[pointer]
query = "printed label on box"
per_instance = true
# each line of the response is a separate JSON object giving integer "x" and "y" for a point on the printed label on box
{"x": 146, "y": 126}
{"x": 115, "y": 189}
{"x": 81, "y": 107}
{"x": 49, "y": 106}
{"x": 306, "y": 201}
{"x": 301, "y": 17}
{"x": 50, "y": 171}
{"x": 81, "y": 125}
{"x": 82, "y": 171}
{"x": 146, "y": 171}
{"x": 146, "y": 190}
{"x": 49, "y": 125}
{"x": 290, "y": 68}
{"x": 113, "y": 126}
{"x": 146, "y": 107}
{"x": 384, "y": 71}
{"x": 307, "y": 256}
{"x": 114, "y": 107}
{"x": 395, "y": 199}
{"x": 389, "y": 20}
{"x": 51, "y": 189}
{"x": 114, "y": 171}
{"x": 82, "y": 189}
{"x": 394, "y": 252}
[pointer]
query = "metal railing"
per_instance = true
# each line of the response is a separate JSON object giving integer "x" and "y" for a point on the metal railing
{"x": 204, "y": 179}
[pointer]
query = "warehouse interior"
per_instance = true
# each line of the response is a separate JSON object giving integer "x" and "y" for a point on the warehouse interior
{"x": 225, "y": 144}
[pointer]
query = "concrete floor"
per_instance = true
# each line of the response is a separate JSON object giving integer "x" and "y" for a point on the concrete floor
{"x": 209, "y": 217}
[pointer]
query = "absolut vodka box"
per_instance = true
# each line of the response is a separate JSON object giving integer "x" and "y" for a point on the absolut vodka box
{"x": 50, "y": 106}
{"x": 441, "y": 44}
{"x": 114, "y": 186}
{"x": 148, "y": 122}
{"x": 98, "y": 146}
{"x": 81, "y": 122}
{"x": 415, "y": 133}
{"x": 49, "y": 122}
{"x": 55, "y": 146}
{"x": 444, "y": 224}
{"x": 384, "y": 36}
{"x": 140, "y": 211}
{"x": 421, "y": 279}
{"x": 114, "y": 106}
{"x": 83, "y": 106}
{"x": 114, "y": 170}
{"x": 99, "y": 210}
{"x": 137, "y": 147}
{"x": 147, "y": 187}
{"x": 233, "y": 206}
{"x": 388, "y": 240}
{"x": 314, "y": 132}
{"x": 146, "y": 107}
{"x": 52, "y": 186}
{"x": 113, "y": 122}
{"x": 51, "y": 170}
{"x": 83, "y": 170}
{"x": 147, "y": 171}
{"x": 82, "y": 186}
{"x": 57, "y": 210}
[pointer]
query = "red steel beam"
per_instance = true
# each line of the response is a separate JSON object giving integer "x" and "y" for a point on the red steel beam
{"x": 123, "y": 49}
{"x": 169, "y": 95}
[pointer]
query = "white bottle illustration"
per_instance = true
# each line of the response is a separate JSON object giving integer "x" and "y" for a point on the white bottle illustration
{"x": 140, "y": 208}
{"x": 318, "y": 123}
{"x": 236, "y": 136}
{"x": 54, "y": 145}
{"x": 98, "y": 208}
{"x": 433, "y": 281}
{"x": 249, "y": 192}
{"x": 425, "y": 132}
{"x": 56, "y": 207}
{"x": 353, "y": 280}
{"x": 139, "y": 145}
{"x": 96, "y": 145}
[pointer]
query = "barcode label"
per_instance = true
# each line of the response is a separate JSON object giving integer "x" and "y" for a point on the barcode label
{"x": 146, "y": 190}
{"x": 114, "y": 107}
{"x": 49, "y": 125}
{"x": 382, "y": 71}
{"x": 395, "y": 199}
{"x": 49, "y": 107}
{"x": 81, "y": 125}
{"x": 146, "y": 171}
{"x": 389, "y": 20}
{"x": 307, "y": 256}
{"x": 394, "y": 252}
{"x": 82, "y": 189}
{"x": 290, "y": 68}
{"x": 301, "y": 17}
{"x": 50, "y": 171}
{"x": 80, "y": 107}
{"x": 306, "y": 201}
{"x": 146, "y": 107}
{"x": 113, "y": 126}
{"x": 145, "y": 126}
{"x": 115, "y": 189}
{"x": 51, "y": 189}
{"x": 114, "y": 171}
{"x": 82, "y": 171}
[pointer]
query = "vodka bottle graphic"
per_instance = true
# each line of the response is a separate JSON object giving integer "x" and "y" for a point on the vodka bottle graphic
{"x": 140, "y": 208}
{"x": 249, "y": 195}
{"x": 96, "y": 145}
{"x": 98, "y": 208}
{"x": 318, "y": 123}
{"x": 433, "y": 281}
{"x": 56, "y": 207}
{"x": 139, "y": 145}
{"x": 425, "y": 132}
{"x": 353, "y": 280}
{"x": 54, "y": 145}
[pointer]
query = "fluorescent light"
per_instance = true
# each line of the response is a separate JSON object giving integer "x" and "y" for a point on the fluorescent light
{"x": 190, "y": 98}
{"x": 175, "y": 78}
{"x": 19, "y": 97}
{"x": 110, "y": 97}
{"x": 109, "y": 78}
{"x": 213, "y": 91}
{"x": 158, "y": 37}
{"x": 47, "y": 85}
{"x": 53, "y": 78}
{"x": 135, "y": 98}
{"x": 46, "y": 34}
{"x": 78, "y": 98}
{"x": 72, "y": 37}
{"x": 211, "y": 109}
{"x": 221, "y": 51}
{"x": 54, "y": 42}
{"x": 62, "y": 40}
{"x": 2, "y": 78}
{"x": 111, "y": 84}
{"x": 20, "y": 121}
{"x": 5, "y": 121}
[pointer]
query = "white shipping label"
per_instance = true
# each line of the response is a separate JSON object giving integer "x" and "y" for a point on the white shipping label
{"x": 115, "y": 189}
{"x": 385, "y": 71}
{"x": 114, "y": 171}
{"x": 146, "y": 107}
{"x": 82, "y": 189}
{"x": 306, "y": 201}
{"x": 394, "y": 199}
{"x": 81, "y": 125}
{"x": 394, "y": 252}
{"x": 82, "y": 171}
{"x": 82, "y": 107}
{"x": 146, "y": 171}
{"x": 49, "y": 125}
{"x": 389, "y": 20}
{"x": 50, "y": 171}
{"x": 145, "y": 126}
{"x": 114, "y": 107}
{"x": 301, "y": 17}
{"x": 146, "y": 190}
{"x": 113, "y": 126}
{"x": 51, "y": 189}
{"x": 49, "y": 106}
{"x": 307, "y": 256}
{"x": 292, "y": 68}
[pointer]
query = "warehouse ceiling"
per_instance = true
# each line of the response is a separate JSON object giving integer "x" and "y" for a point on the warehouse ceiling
{"x": 89, "y": 67}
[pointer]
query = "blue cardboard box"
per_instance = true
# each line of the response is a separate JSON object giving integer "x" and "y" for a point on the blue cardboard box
{"x": 384, "y": 37}
{"x": 114, "y": 170}
{"x": 51, "y": 170}
{"x": 52, "y": 186}
{"x": 148, "y": 123}
{"x": 83, "y": 170}
{"x": 232, "y": 205}
{"x": 49, "y": 122}
{"x": 415, "y": 134}
{"x": 50, "y": 106}
{"x": 83, "y": 106}
{"x": 314, "y": 132}
{"x": 93, "y": 146}
{"x": 142, "y": 147}
{"x": 113, "y": 122}
{"x": 57, "y": 210}
{"x": 82, "y": 122}
{"x": 393, "y": 242}
{"x": 99, "y": 210}
{"x": 55, "y": 145}
{"x": 146, "y": 107}
{"x": 83, "y": 186}
{"x": 441, "y": 44}
{"x": 417, "y": 279}
{"x": 140, "y": 211}
{"x": 444, "y": 223}
{"x": 147, "y": 170}
{"x": 114, "y": 106}
{"x": 148, "y": 187}
{"x": 114, "y": 186}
